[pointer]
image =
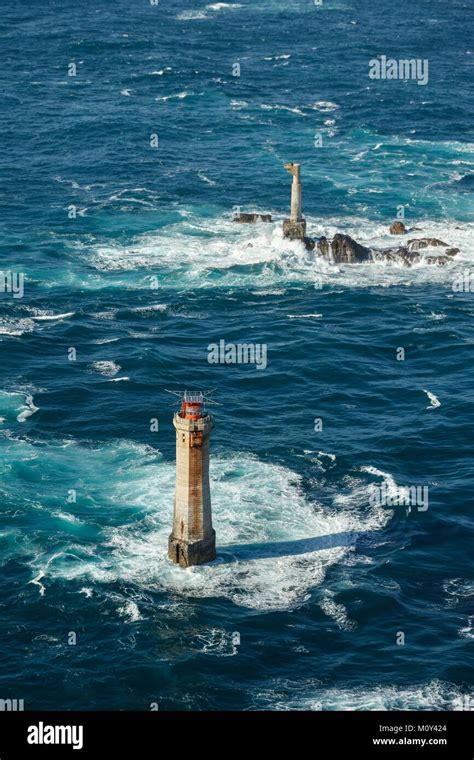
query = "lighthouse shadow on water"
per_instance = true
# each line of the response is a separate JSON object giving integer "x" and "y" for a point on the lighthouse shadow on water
{"x": 276, "y": 549}
{"x": 193, "y": 538}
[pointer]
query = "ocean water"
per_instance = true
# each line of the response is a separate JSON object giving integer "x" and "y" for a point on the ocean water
{"x": 131, "y": 258}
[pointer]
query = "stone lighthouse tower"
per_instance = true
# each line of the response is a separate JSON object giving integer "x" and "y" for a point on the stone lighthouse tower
{"x": 193, "y": 539}
{"x": 295, "y": 226}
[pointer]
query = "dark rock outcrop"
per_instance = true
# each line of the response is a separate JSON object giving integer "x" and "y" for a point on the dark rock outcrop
{"x": 252, "y": 218}
{"x": 415, "y": 244}
{"x": 400, "y": 255}
{"x": 323, "y": 246}
{"x": 398, "y": 228}
{"x": 345, "y": 250}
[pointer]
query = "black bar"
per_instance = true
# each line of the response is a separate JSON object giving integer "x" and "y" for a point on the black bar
{"x": 141, "y": 735}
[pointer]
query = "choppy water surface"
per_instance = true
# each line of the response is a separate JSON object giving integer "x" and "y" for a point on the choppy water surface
{"x": 314, "y": 579}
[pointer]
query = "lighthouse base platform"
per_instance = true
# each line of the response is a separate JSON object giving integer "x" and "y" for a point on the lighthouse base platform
{"x": 294, "y": 230}
{"x": 187, "y": 553}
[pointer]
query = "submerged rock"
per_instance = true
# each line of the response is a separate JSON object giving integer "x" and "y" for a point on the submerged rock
{"x": 439, "y": 261}
{"x": 252, "y": 218}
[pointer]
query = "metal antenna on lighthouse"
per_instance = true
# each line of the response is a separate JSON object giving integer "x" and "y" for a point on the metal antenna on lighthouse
{"x": 195, "y": 397}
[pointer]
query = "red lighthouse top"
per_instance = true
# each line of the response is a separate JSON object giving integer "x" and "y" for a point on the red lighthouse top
{"x": 191, "y": 406}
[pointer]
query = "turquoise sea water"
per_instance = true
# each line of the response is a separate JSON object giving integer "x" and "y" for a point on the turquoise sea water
{"x": 313, "y": 581}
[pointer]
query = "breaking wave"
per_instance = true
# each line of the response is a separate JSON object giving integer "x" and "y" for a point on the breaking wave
{"x": 16, "y": 406}
{"x": 311, "y": 695}
{"x": 207, "y": 253}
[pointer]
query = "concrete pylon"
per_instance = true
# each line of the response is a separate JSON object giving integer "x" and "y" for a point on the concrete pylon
{"x": 295, "y": 226}
{"x": 193, "y": 539}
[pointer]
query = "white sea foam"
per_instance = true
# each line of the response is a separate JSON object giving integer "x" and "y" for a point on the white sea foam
{"x": 151, "y": 307}
{"x": 43, "y": 569}
{"x": 304, "y": 316}
{"x": 324, "y": 106}
{"x": 309, "y": 694}
{"x": 336, "y": 611}
{"x": 67, "y": 517}
{"x": 191, "y": 15}
{"x": 126, "y": 195}
{"x": 28, "y": 410}
{"x": 16, "y": 405}
{"x": 458, "y": 590}
{"x": 179, "y": 254}
{"x": 269, "y": 292}
{"x": 319, "y": 459}
{"x": 274, "y": 543}
{"x": 359, "y": 156}
{"x": 179, "y": 95}
{"x": 206, "y": 179}
{"x": 40, "y": 315}
{"x": 238, "y": 104}
{"x": 106, "y": 368}
{"x": 15, "y": 328}
{"x": 222, "y": 6}
{"x": 332, "y": 457}
{"x": 467, "y": 631}
{"x": 76, "y": 185}
{"x": 130, "y": 612}
{"x": 215, "y": 642}
{"x": 434, "y": 400}
{"x": 436, "y": 316}
{"x": 276, "y": 107}
{"x": 108, "y": 314}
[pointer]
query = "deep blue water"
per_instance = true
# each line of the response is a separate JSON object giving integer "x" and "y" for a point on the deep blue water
{"x": 316, "y": 579}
